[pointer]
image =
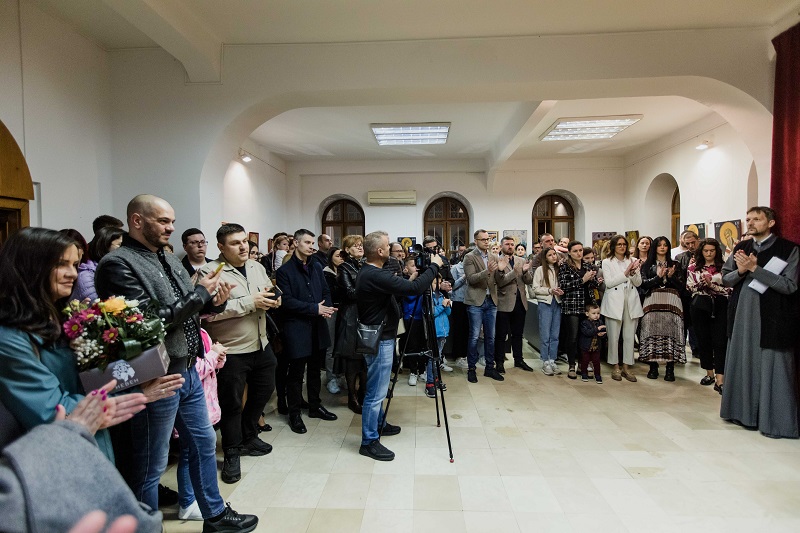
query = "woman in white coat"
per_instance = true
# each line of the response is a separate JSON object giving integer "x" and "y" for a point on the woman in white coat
{"x": 621, "y": 305}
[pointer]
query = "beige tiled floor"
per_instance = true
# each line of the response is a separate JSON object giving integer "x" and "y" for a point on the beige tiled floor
{"x": 533, "y": 453}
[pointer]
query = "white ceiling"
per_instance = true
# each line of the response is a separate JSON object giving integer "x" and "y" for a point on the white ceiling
{"x": 298, "y": 21}
{"x": 314, "y": 134}
{"x": 344, "y": 133}
{"x": 194, "y": 30}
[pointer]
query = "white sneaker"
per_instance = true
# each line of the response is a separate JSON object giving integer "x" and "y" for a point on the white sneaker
{"x": 547, "y": 368}
{"x": 482, "y": 362}
{"x": 445, "y": 367}
{"x": 412, "y": 380}
{"x": 333, "y": 386}
{"x": 554, "y": 367}
{"x": 190, "y": 513}
{"x": 461, "y": 362}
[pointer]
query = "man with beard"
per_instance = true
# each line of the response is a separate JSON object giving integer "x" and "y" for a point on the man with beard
{"x": 140, "y": 270}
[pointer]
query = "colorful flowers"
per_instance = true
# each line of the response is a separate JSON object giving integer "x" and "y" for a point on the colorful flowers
{"x": 73, "y": 327}
{"x": 100, "y": 332}
{"x": 110, "y": 335}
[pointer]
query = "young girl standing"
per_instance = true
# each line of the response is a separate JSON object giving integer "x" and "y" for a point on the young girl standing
{"x": 548, "y": 298}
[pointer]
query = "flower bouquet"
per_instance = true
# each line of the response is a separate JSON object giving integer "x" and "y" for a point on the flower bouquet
{"x": 114, "y": 339}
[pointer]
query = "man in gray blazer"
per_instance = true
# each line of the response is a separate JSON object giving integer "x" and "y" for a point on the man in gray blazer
{"x": 512, "y": 275}
{"x": 481, "y": 302}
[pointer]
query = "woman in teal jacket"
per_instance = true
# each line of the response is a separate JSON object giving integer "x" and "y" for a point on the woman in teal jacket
{"x": 38, "y": 268}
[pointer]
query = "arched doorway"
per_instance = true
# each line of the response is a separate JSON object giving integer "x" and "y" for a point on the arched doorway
{"x": 662, "y": 208}
{"x": 447, "y": 219}
{"x": 16, "y": 187}
{"x": 555, "y": 215}
{"x": 342, "y": 217}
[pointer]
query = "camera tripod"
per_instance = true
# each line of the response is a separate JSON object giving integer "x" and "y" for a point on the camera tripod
{"x": 432, "y": 353}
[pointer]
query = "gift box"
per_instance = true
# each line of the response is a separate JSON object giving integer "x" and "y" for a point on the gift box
{"x": 150, "y": 364}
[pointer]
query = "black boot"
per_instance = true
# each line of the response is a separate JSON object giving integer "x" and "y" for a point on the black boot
{"x": 653, "y": 374}
{"x": 231, "y": 469}
{"x": 352, "y": 393}
{"x": 669, "y": 375}
{"x": 282, "y": 408}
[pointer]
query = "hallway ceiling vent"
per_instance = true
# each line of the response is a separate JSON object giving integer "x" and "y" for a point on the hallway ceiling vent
{"x": 411, "y": 133}
{"x": 392, "y": 197}
{"x": 588, "y": 128}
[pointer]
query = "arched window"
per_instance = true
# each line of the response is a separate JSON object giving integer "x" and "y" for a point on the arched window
{"x": 553, "y": 214}
{"x": 341, "y": 218}
{"x": 676, "y": 216}
{"x": 448, "y": 220}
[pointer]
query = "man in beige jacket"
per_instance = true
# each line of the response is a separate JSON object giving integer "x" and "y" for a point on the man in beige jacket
{"x": 241, "y": 327}
{"x": 512, "y": 275}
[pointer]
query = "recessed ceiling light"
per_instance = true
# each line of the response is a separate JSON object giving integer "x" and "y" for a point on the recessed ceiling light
{"x": 414, "y": 133}
{"x": 705, "y": 145}
{"x": 244, "y": 156}
{"x": 588, "y": 128}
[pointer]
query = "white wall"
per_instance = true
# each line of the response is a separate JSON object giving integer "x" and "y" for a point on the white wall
{"x": 595, "y": 182}
{"x": 55, "y": 100}
{"x": 175, "y": 139}
{"x": 255, "y": 194}
{"x": 713, "y": 183}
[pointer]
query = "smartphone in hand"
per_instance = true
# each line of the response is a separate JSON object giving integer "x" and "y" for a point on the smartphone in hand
{"x": 277, "y": 293}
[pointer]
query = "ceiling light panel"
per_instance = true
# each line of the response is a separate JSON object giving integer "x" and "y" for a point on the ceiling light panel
{"x": 411, "y": 134}
{"x": 588, "y": 128}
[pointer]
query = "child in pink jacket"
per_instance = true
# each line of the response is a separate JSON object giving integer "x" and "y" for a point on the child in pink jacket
{"x": 207, "y": 371}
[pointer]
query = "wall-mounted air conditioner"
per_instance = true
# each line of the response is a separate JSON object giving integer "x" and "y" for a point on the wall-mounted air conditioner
{"x": 392, "y": 197}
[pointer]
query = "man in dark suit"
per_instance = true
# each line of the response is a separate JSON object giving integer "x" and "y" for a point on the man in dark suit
{"x": 306, "y": 304}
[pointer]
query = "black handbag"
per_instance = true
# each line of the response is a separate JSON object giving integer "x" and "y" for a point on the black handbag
{"x": 703, "y": 302}
{"x": 368, "y": 337}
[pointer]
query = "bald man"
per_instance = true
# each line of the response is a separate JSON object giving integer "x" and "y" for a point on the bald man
{"x": 140, "y": 270}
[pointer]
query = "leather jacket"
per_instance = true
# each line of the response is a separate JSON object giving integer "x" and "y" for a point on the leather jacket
{"x": 135, "y": 272}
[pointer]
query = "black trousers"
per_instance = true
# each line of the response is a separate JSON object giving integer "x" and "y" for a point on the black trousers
{"x": 511, "y": 323}
{"x": 712, "y": 335}
{"x": 239, "y": 424}
{"x": 569, "y": 335}
{"x": 459, "y": 329}
{"x": 295, "y": 368}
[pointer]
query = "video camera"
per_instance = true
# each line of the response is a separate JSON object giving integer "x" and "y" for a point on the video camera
{"x": 422, "y": 259}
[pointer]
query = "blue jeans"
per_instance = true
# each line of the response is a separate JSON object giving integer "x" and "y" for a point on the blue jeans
{"x": 379, "y": 369}
{"x": 484, "y": 314}
{"x": 549, "y": 327}
{"x": 151, "y": 430}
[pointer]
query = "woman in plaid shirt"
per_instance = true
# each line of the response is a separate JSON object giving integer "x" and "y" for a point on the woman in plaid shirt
{"x": 575, "y": 280}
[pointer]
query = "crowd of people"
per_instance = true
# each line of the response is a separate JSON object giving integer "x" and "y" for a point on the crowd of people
{"x": 246, "y": 325}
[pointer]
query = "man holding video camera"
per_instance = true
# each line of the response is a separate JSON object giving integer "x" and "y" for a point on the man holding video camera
{"x": 375, "y": 289}
{"x": 241, "y": 328}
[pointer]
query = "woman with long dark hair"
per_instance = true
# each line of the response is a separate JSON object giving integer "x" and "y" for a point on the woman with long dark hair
{"x": 643, "y": 245}
{"x": 661, "y": 336}
{"x": 38, "y": 371}
{"x": 709, "y": 310}
{"x": 106, "y": 240}
{"x": 331, "y": 271}
{"x": 575, "y": 280}
{"x": 346, "y": 360}
{"x": 548, "y": 298}
{"x": 621, "y": 305}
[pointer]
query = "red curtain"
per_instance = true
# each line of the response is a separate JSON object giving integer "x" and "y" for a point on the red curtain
{"x": 785, "y": 185}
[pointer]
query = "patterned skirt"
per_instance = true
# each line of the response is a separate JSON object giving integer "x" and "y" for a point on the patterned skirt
{"x": 661, "y": 334}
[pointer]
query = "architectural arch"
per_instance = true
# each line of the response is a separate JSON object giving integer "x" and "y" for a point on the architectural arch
{"x": 751, "y": 120}
{"x": 451, "y": 221}
{"x": 340, "y": 215}
{"x": 578, "y": 217}
{"x": 658, "y": 203}
{"x": 16, "y": 186}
